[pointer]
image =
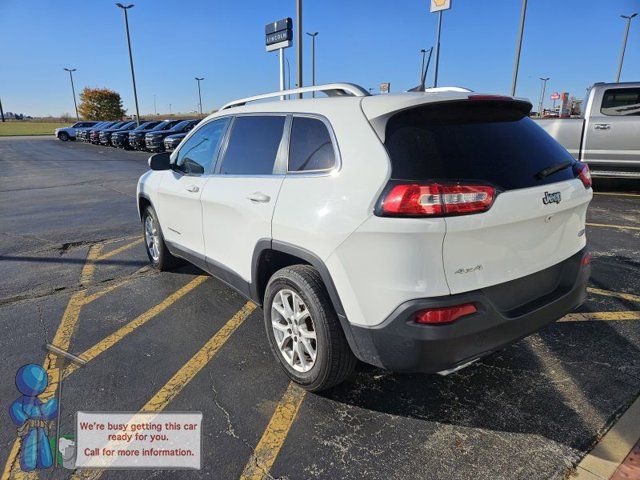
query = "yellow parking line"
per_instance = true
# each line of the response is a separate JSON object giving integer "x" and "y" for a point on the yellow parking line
{"x": 186, "y": 373}
{"x": 615, "y": 194}
{"x": 619, "y": 227}
{"x": 622, "y": 295}
{"x": 140, "y": 320}
{"x": 189, "y": 370}
{"x": 275, "y": 434}
{"x": 587, "y": 316}
{"x": 120, "y": 249}
{"x": 94, "y": 296}
{"x": 62, "y": 339}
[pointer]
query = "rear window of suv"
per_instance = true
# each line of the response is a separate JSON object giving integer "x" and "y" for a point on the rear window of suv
{"x": 483, "y": 141}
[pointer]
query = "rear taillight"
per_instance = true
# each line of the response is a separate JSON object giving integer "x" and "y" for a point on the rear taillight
{"x": 435, "y": 200}
{"x": 439, "y": 316}
{"x": 586, "y": 260}
{"x": 584, "y": 174}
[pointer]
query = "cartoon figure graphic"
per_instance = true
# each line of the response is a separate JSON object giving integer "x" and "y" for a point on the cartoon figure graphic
{"x": 32, "y": 417}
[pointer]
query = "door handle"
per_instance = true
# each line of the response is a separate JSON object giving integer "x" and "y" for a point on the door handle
{"x": 602, "y": 126}
{"x": 193, "y": 188}
{"x": 259, "y": 197}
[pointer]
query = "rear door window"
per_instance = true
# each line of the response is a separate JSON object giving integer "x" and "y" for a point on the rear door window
{"x": 621, "y": 102}
{"x": 310, "y": 147}
{"x": 490, "y": 142}
{"x": 253, "y": 145}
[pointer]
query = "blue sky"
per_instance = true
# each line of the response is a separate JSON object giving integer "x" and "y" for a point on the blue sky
{"x": 575, "y": 42}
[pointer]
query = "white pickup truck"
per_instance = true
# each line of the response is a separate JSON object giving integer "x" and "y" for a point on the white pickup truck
{"x": 607, "y": 136}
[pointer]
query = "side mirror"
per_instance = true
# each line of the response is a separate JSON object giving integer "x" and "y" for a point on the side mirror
{"x": 160, "y": 161}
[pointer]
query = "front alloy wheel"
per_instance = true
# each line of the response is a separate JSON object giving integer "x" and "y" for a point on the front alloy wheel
{"x": 157, "y": 251}
{"x": 151, "y": 238}
{"x": 293, "y": 330}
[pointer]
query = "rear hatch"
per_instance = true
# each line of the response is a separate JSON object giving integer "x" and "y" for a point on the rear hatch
{"x": 530, "y": 206}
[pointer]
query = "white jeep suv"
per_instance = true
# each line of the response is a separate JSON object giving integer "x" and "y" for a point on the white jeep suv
{"x": 414, "y": 231}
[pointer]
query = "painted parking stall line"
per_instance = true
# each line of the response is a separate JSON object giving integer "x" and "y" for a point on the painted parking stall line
{"x": 606, "y": 316}
{"x": 62, "y": 340}
{"x": 617, "y": 227}
{"x": 185, "y": 374}
{"x": 275, "y": 434}
{"x": 109, "y": 341}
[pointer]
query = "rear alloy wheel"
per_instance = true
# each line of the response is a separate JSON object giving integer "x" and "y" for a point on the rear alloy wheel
{"x": 157, "y": 251}
{"x": 293, "y": 330}
{"x": 64, "y": 136}
{"x": 304, "y": 332}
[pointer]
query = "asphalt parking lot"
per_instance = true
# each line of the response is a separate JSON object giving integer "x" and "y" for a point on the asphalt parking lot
{"x": 74, "y": 273}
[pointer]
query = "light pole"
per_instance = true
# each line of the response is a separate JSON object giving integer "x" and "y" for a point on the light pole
{"x": 624, "y": 44}
{"x": 299, "y": 42}
{"x": 155, "y": 109}
{"x": 288, "y": 74}
{"x": 133, "y": 75}
{"x": 199, "y": 79}
{"x": 435, "y": 78}
{"x": 423, "y": 52}
{"x": 544, "y": 89}
{"x": 169, "y": 109}
{"x": 73, "y": 90}
{"x": 523, "y": 16}
{"x": 313, "y": 60}
{"x": 1, "y": 111}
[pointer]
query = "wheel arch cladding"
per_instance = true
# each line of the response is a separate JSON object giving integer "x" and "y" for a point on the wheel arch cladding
{"x": 270, "y": 256}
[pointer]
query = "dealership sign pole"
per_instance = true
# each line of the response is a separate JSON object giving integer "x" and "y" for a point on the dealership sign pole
{"x": 439, "y": 6}
{"x": 278, "y": 37}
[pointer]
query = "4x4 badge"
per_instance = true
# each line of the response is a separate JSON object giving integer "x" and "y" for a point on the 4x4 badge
{"x": 553, "y": 197}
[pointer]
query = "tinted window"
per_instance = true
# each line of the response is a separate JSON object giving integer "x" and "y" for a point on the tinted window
{"x": 253, "y": 145}
{"x": 310, "y": 147}
{"x": 166, "y": 125}
{"x": 481, "y": 141}
{"x": 185, "y": 125}
{"x": 621, "y": 101}
{"x": 198, "y": 153}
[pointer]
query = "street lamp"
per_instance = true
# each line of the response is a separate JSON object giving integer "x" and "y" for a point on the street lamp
{"x": 133, "y": 75}
{"x": 523, "y": 16}
{"x": 624, "y": 44}
{"x": 199, "y": 79}
{"x": 299, "y": 42}
{"x": 313, "y": 59}
{"x": 544, "y": 89}
{"x": 73, "y": 90}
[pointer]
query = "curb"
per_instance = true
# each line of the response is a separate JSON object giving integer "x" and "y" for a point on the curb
{"x": 604, "y": 459}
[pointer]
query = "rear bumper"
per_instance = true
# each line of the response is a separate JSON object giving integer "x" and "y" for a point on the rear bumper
{"x": 399, "y": 344}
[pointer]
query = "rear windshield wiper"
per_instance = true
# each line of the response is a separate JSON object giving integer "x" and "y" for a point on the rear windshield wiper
{"x": 553, "y": 169}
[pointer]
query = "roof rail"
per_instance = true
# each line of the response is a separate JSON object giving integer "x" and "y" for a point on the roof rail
{"x": 330, "y": 89}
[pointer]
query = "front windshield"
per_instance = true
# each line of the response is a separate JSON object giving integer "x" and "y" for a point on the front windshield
{"x": 181, "y": 125}
{"x": 146, "y": 125}
{"x": 162, "y": 125}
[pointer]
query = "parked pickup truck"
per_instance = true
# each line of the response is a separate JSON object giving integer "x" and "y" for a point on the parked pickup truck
{"x": 607, "y": 136}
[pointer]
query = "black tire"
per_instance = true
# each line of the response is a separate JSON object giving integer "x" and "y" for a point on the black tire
{"x": 164, "y": 260}
{"x": 64, "y": 136}
{"x": 334, "y": 360}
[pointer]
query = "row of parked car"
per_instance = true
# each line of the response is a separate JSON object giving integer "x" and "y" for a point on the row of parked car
{"x": 153, "y": 135}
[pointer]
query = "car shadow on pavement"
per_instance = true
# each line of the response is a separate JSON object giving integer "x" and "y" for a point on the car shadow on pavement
{"x": 565, "y": 383}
